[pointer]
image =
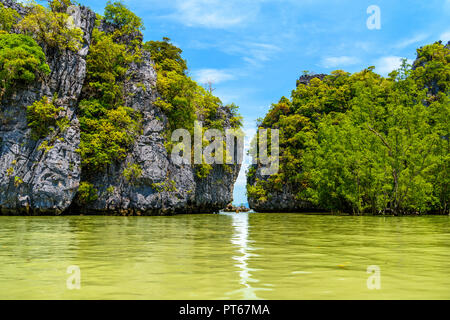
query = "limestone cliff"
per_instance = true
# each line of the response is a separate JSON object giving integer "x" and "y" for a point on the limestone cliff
{"x": 38, "y": 181}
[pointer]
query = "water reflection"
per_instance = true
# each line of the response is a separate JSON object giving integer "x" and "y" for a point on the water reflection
{"x": 241, "y": 241}
{"x": 227, "y": 256}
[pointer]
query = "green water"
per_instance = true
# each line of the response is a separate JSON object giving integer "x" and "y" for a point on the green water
{"x": 227, "y": 256}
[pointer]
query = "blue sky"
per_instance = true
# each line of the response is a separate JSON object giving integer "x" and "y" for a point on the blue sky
{"x": 255, "y": 50}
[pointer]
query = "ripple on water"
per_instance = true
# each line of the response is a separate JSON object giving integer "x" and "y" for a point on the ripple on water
{"x": 227, "y": 256}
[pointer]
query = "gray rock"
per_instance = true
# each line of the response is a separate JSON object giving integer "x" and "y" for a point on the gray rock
{"x": 36, "y": 181}
{"x": 33, "y": 181}
{"x": 163, "y": 187}
{"x": 306, "y": 79}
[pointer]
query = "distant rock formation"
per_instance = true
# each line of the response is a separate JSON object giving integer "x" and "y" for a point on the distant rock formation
{"x": 231, "y": 208}
{"x": 306, "y": 79}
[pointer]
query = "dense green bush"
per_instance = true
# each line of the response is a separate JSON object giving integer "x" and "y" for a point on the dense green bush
{"x": 167, "y": 56}
{"x": 107, "y": 64}
{"x": 119, "y": 15}
{"x": 8, "y": 17}
{"x": 51, "y": 27}
{"x": 60, "y": 5}
{"x": 21, "y": 61}
{"x": 106, "y": 134}
{"x": 362, "y": 143}
{"x": 42, "y": 117}
{"x": 87, "y": 193}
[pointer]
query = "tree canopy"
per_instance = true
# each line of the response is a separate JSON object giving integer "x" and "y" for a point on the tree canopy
{"x": 21, "y": 61}
{"x": 362, "y": 143}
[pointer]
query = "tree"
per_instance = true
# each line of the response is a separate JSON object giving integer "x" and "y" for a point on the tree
{"x": 42, "y": 115}
{"x": 8, "y": 17}
{"x": 118, "y": 14}
{"x": 22, "y": 61}
{"x": 166, "y": 56}
{"x": 50, "y": 28}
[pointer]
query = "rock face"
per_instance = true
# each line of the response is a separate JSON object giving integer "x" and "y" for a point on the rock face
{"x": 33, "y": 181}
{"x": 278, "y": 201}
{"x": 306, "y": 79}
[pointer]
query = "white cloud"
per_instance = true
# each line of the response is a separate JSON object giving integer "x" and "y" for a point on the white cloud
{"x": 218, "y": 14}
{"x": 407, "y": 42}
{"x": 342, "y": 61}
{"x": 445, "y": 37}
{"x": 254, "y": 53}
{"x": 212, "y": 75}
{"x": 386, "y": 65}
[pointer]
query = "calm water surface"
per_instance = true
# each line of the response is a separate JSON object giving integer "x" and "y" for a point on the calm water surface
{"x": 227, "y": 256}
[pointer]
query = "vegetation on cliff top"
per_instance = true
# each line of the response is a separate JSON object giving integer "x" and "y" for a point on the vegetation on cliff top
{"x": 51, "y": 26}
{"x": 21, "y": 61}
{"x": 363, "y": 143}
{"x": 8, "y": 17}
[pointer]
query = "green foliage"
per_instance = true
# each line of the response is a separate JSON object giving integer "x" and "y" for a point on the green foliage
{"x": 51, "y": 28}
{"x": 132, "y": 173}
{"x": 87, "y": 193}
{"x": 60, "y": 5}
{"x": 8, "y": 17}
{"x": 42, "y": 115}
{"x": 106, "y": 134}
{"x": 118, "y": 14}
{"x": 432, "y": 68}
{"x": 362, "y": 143}
{"x": 45, "y": 146}
{"x": 383, "y": 161}
{"x": 203, "y": 170}
{"x": 21, "y": 61}
{"x": 17, "y": 181}
{"x": 167, "y": 56}
{"x": 108, "y": 128}
{"x": 257, "y": 191}
{"x": 165, "y": 186}
{"x": 107, "y": 64}
{"x": 184, "y": 101}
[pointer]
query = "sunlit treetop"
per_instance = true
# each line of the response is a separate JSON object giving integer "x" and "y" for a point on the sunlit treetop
{"x": 60, "y": 5}
{"x": 50, "y": 28}
{"x": 8, "y": 17}
{"x": 167, "y": 56}
{"x": 118, "y": 14}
